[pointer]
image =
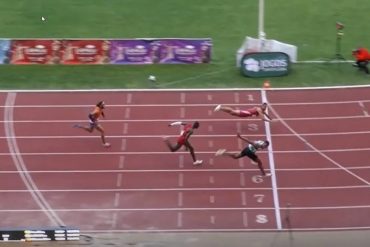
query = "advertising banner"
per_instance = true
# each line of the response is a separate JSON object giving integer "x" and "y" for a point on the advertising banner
{"x": 131, "y": 52}
{"x": 185, "y": 51}
{"x": 4, "y": 51}
{"x": 34, "y": 51}
{"x": 265, "y": 64}
{"x": 85, "y": 52}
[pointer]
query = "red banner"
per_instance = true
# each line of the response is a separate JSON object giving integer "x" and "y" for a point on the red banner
{"x": 34, "y": 51}
{"x": 85, "y": 52}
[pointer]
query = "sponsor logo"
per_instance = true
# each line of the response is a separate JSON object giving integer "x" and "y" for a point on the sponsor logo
{"x": 265, "y": 64}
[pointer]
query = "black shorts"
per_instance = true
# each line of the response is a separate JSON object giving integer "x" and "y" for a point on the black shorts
{"x": 249, "y": 154}
{"x": 92, "y": 121}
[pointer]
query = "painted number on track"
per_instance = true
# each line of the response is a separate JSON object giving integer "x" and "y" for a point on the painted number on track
{"x": 257, "y": 179}
{"x": 261, "y": 218}
{"x": 253, "y": 127}
{"x": 259, "y": 197}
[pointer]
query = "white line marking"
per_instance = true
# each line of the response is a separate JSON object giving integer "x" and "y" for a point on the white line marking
{"x": 189, "y": 120}
{"x": 116, "y": 199}
{"x": 212, "y": 199}
{"x": 242, "y": 179}
{"x": 121, "y": 162}
{"x": 182, "y": 98}
{"x": 212, "y": 219}
{"x": 220, "y": 230}
{"x": 179, "y": 219}
{"x": 179, "y": 170}
{"x": 21, "y": 165}
{"x": 211, "y": 180}
{"x": 181, "y": 180}
{"x": 182, "y": 209}
{"x": 123, "y": 144}
{"x": 243, "y": 198}
{"x": 319, "y": 103}
{"x": 236, "y": 98}
{"x": 210, "y": 129}
{"x": 317, "y": 150}
{"x": 125, "y": 128}
{"x": 180, "y": 199}
{"x": 180, "y": 152}
{"x": 272, "y": 168}
{"x": 181, "y": 161}
{"x": 114, "y": 220}
{"x": 129, "y": 98}
{"x": 361, "y": 103}
{"x": 211, "y": 162}
{"x": 209, "y": 97}
{"x": 189, "y": 189}
{"x": 245, "y": 219}
{"x": 127, "y": 113}
{"x": 182, "y": 112}
{"x": 210, "y": 143}
{"x": 119, "y": 180}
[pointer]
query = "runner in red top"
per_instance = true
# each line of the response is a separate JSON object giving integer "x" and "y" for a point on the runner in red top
{"x": 258, "y": 111}
{"x": 183, "y": 139}
{"x": 93, "y": 122}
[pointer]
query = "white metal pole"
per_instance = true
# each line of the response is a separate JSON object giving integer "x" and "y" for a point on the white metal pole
{"x": 261, "y": 16}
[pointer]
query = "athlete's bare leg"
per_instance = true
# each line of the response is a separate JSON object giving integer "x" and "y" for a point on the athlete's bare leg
{"x": 102, "y": 135}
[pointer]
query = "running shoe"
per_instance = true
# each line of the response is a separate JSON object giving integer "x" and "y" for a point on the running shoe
{"x": 220, "y": 152}
{"x": 217, "y": 108}
{"x": 198, "y": 162}
{"x": 107, "y": 145}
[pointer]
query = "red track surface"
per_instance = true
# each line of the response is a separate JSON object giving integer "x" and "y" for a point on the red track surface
{"x": 52, "y": 174}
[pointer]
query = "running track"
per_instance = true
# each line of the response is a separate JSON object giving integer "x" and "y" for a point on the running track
{"x": 52, "y": 174}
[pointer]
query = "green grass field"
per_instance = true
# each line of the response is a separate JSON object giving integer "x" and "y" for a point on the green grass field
{"x": 309, "y": 24}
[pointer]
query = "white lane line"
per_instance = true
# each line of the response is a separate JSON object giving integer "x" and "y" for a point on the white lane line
{"x": 182, "y": 98}
{"x": 127, "y": 113}
{"x": 20, "y": 165}
{"x": 121, "y": 166}
{"x": 209, "y": 97}
{"x": 191, "y": 189}
{"x": 125, "y": 128}
{"x": 128, "y": 100}
{"x": 212, "y": 199}
{"x": 210, "y": 129}
{"x": 116, "y": 199}
{"x": 243, "y": 198}
{"x": 316, "y": 150}
{"x": 180, "y": 199}
{"x": 211, "y": 180}
{"x": 320, "y": 118}
{"x": 212, "y": 219}
{"x": 121, "y": 162}
{"x": 275, "y": 193}
{"x": 236, "y": 98}
{"x": 182, "y": 112}
{"x": 245, "y": 219}
{"x": 181, "y": 180}
{"x": 185, "y": 209}
{"x": 181, "y": 161}
{"x": 180, "y": 152}
{"x": 119, "y": 180}
{"x": 319, "y": 103}
{"x": 123, "y": 144}
{"x": 242, "y": 179}
{"x": 179, "y": 219}
{"x": 363, "y": 107}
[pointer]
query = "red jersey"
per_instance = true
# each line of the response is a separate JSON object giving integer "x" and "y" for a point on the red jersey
{"x": 184, "y": 133}
{"x": 249, "y": 112}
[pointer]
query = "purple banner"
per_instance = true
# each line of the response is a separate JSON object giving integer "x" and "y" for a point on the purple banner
{"x": 185, "y": 50}
{"x": 130, "y": 52}
{"x": 164, "y": 51}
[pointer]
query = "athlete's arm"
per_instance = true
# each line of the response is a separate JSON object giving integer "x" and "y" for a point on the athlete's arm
{"x": 177, "y": 123}
{"x": 263, "y": 115}
{"x": 244, "y": 139}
